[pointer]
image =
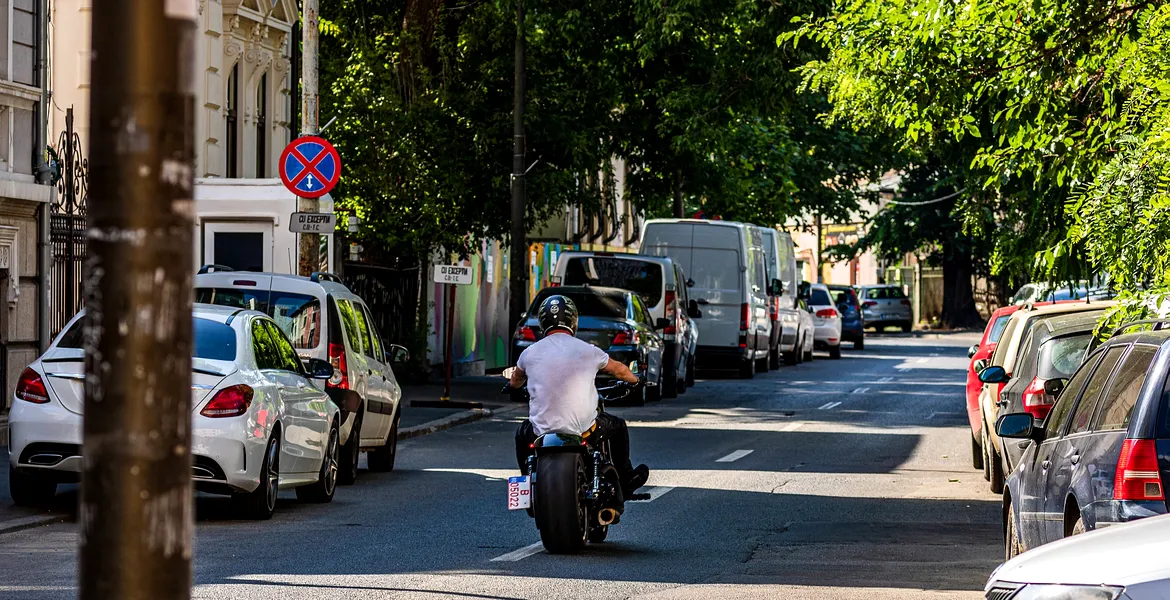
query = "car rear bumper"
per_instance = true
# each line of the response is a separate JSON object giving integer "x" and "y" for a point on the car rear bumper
{"x": 827, "y": 334}
{"x": 715, "y": 357}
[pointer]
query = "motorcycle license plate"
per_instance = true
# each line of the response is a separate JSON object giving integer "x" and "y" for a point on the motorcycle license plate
{"x": 519, "y": 493}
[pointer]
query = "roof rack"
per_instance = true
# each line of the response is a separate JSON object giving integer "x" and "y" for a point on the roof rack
{"x": 318, "y": 276}
{"x": 214, "y": 269}
{"x": 1154, "y": 323}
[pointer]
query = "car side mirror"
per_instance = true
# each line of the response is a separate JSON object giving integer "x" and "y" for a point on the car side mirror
{"x": 804, "y": 290}
{"x": 972, "y": 350}
{"x": 1020, "y": 426}
{"x": 1053, "y": 387}
{"x": 777, "y": 288}
{"x": 319, "y": 369}
{"x": 693, "y": 310}
{"x": 399, "y": 354}
{"x": 980, "y": 365}
{"x": 994, "y": 374}
{"x": 690, "y": 282}
{"x": 662, "y": 323}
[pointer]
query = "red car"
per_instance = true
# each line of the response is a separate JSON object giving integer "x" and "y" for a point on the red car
{"x": 982, "y": 352}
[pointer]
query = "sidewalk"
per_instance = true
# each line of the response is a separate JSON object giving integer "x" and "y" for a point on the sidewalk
{"x": 420, "y": 421}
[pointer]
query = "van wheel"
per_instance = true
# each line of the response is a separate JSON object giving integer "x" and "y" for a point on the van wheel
{"x": 690, "y": 371}
{"x": 30, "y": 490}
{"x": 792, "y": 357}
{"x": 670, "y": 385}
{"x": 381, "y": 459}
{"x": 976, "y": 453}
{"x": 835, "y": 352}
{"x": 762, "y": 365}
{"x": 747, "y": 369}
{"x": 774, "y": 358}
{"x": 351, "y": 453}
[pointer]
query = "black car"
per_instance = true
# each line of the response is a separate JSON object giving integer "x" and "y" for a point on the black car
{"x": 852, "y": 325}
{"x": 1052, "y": 349}
{"x": 1103, "y": 454}
{"x": 612, "y": 319}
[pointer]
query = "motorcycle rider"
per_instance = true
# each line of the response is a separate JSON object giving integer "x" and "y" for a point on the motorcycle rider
{"x": 560, "y": 371}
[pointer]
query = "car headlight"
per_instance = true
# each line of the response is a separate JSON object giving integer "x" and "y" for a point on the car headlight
{"x": 1067, "y": 592}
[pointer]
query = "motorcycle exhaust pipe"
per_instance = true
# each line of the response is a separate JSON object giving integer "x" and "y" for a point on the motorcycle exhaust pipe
{"x": 607, "y": 516}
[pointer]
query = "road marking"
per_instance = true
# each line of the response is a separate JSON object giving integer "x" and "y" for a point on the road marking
{"x": 861, "y": 390}
{"x": 520, "y": 554}
{"x": 829, "y": 405}
{"x": 655, "y": 492}
{"x": 923, "y": 361}
{"x": 734, "y": 456}
{"x": 885, "y": 380}
{"x": 791, "y": 427}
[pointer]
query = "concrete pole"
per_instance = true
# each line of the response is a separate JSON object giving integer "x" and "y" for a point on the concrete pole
{"x": 309, "y": 243}
{"x": 518, "y": 264}
{"x": 44, "y": 177}
{"x": 820, "y": 249}
{"x": 135, "y": 519}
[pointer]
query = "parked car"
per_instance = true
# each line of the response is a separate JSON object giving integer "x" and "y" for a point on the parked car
{"x": 1031, "y": 293}
{"x": 612, "y": 319}
{"x": 726, "y": 260}
{"x": 326, "y": 321}
{"x": 806, "y": 331}
{"x": 885, "y": 306}
{"x": 1099, "y": 457}
{"x": 1125, "y": 562}
{"x": 784, "y": 309}
{"x": 826, "y": 320}
{"x": 663, "y": 287}
{"x": 1019, "y": 324}
{"x": 980, "y": 354}
{"x": 257, "y": 423}
{"x": 852, "y": 325}
{"x": 1053, "y": 349}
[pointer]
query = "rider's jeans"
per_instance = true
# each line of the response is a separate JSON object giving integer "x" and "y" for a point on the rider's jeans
{"x": 609, "y": 428}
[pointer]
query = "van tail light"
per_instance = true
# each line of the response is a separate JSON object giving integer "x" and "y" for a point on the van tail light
{"x": 1137, "y": 476}
{"x": 744, "y": 312}
{"x": 1036, "y": 402}
{"x": 527, "y": 334}
{"x": 671, "y": 313}
{"x": 229, "y": 402}
{"x": 869, "y": 304}
{"x": 340, "y": 377}
{"x": 31, "y": 388}
{"x": 774, "y": 308}
{"x": 625, "y": 337}
{"x": 828, "y": 313}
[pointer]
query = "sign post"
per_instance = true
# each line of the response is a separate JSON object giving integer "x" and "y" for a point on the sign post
{"x": 310, "y": 167}
{"x": 450, "y": 276}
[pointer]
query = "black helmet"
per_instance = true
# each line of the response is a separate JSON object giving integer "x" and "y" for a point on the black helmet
{"x": 557, "y": 312}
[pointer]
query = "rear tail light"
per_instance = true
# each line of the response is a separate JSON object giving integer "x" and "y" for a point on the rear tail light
{"x": 869, "y": 304}
{"x": 31, "y": 388}
{"x": 828, "y": 313}
{"x": 1036, "y": 402}
{"x": 774, "y": 309}
{"x": 625, "y": 337}
{"x": 744, "y": 312}
{"x": 671, "y": 313}
{"x": 1137, "y": 475}
{"x": 905, "y": 303}
{"x": 229, "y": 402}
{"x": 340, "y": 377}
{"x": 527, "y": 334}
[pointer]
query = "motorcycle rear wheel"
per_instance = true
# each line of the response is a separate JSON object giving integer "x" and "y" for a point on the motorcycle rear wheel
{"x": 560, "y": 515}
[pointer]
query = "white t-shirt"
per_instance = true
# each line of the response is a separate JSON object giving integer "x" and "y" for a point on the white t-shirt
{"x": 561, "y": 370}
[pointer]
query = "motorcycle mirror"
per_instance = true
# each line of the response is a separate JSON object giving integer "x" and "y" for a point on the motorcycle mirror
{"x": 508, "y": 372}
{"x": 634, "y": 366}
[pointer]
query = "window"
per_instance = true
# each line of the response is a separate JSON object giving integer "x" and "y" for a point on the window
{"x": 298, "y": 315}
{"x": 1001, "y": 323}
{"x": 289, "y": 361}
{"x": 639, "y": 276}
{"x": 1122, "y": 396}
{"x": 759, "y": 272}
{"x": 212, "y": 340}
{"x": 1087, "y": 407}
{"x": 1025, "y": 365}
{"x": 884, "y": 293}
{"x": 1059, "y": 357}
{"x": 369, "y": 334}
{"x": 588, "y": 305}
{"x": 715, "y": 269}
{"x": 1065, "y": 401}
{"x": 232, "y": 139}
{"x": 818, "y": 297}
{"x": 349, "y": 321}
{"x": 1000, "y": 355}
{"x": 261, "y": 129}
{"x": 73, "y": 338}
{"x": 263, "y": 347}
{"x": 379, "y": 346}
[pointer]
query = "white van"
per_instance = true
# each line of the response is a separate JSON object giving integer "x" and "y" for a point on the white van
{"x": 726, "y": 263}
{"x": 783, "y": 309}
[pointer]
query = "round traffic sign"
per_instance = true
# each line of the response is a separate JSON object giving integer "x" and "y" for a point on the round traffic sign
{"x": 310, "y": 167}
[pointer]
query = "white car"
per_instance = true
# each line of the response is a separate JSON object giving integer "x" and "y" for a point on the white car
{"x": 258, "y": 423}
{"x": 826, "y": 320}
{"x": 1120, "y": 562}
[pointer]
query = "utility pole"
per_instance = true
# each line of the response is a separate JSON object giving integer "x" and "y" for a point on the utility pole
{"x": 518, "y": 264}
{"x": 135, "y": 519}
{"x": 44, "y": 177}
{"x": 678, "y": 195}
{"x": 310, "y": 260}
{"x": 820, "y": 249}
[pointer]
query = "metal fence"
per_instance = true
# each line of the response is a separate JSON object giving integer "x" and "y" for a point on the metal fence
{"x": 391, "y": 294}
{"x": 67, "y": 225}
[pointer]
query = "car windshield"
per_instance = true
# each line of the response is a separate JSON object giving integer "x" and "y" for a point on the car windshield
{"x": 639, "y": 276}
{"x": 211, "y": 340}
{"x": 844, "y": 295}
{"x": 819, "y": 297}
{"x": 1060, "y": 357}
{"x": 298, "y": 315}
{"x": 884, "y": 293}
{"x": 588, "y": 305}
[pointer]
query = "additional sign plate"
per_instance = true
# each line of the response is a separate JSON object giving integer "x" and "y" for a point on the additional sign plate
{"x": 312, "y": 223}
{"x": 519, "y": 493}
{"x": 310, "y": 167}
{"x": 456, "y": 274}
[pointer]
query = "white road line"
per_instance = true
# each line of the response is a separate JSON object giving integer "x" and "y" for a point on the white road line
{"x": 520, "y": 554}
{"x": 923, "y": 361}
{"x": 791, "y": 427}
{"x": 829, "y": 405}
{"x": 655, "y": 492}
{"x": 861, "y": 390}
{"x": 885, "y": 380}
{"x": 734, "y": 456}
{"x": 932, "y": 415}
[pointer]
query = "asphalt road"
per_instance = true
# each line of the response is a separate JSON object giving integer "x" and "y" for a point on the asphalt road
{"x": 836, "y": 479}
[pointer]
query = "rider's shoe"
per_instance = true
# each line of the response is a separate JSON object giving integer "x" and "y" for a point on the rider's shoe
{"x": 636, "y": 479}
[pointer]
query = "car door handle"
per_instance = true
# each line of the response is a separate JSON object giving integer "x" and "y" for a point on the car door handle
{"x": 1074, "y": 459}
{"x": 1044, "y": 465}
{"x": 301, "y": 385}
{"x": 702, "y": 301}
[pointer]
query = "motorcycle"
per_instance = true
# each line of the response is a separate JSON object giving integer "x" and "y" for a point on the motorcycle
{"x": 570, "y": 486}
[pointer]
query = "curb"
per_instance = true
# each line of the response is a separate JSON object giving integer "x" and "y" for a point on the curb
{"x": 455, "y": 420}
{"x": 13, "y": 525}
